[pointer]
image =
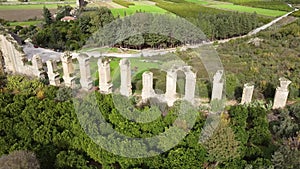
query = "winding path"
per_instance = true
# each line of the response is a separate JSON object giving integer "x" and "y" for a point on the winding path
{"x": 146, "y": 52}
{"x": 257, "y": 30}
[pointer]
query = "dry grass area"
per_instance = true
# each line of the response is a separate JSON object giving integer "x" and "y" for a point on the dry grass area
{"x": 22, "y": 15}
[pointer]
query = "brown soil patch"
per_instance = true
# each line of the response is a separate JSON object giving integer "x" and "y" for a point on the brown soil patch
{"x": 22, "y": 15}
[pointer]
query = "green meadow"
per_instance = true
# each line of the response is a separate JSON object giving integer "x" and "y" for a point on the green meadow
{"x": 25, "y": 23}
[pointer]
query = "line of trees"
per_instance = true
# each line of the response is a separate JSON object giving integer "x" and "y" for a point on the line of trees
{"x": 215, "y": 23}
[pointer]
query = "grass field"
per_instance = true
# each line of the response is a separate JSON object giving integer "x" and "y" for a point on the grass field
{"x": 26, "y": 23}
{"x": 139, "y": 6}
{"x": 137, "y": 66}
{"x": 239, "y": 8}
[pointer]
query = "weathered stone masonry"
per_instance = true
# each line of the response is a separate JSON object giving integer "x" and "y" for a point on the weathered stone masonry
{"x": 15, "y": 61}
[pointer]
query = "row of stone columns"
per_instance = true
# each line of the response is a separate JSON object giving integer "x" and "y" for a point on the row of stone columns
{"x": 280, "y": 98}
{"x": 86, "y": 82}
{"x": 105, "y": 83}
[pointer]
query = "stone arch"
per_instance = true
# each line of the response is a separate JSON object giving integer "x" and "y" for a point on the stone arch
{"x": 190, "y": 84}
{"x": 171, "y": 84}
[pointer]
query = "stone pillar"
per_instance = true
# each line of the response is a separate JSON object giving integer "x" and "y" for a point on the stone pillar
{"x": 281, "y": 94}
{"x": 247, "y": 93}
{"x": 53, "y": 75}
{"x": 218, "y": 84}
{"x": 147, "y": 91}
{"x": 125, "y": 72}
{"x": 79, "y": 3}
{"x": 190, "y": 86}
{"x": 105, "y": 84}
{"x": 68, "y": 70}
{"x": 85, "y": 72}
{"x": 37, "y": 65}
{"x": 2, "y": 63}
{"x": 170, "y": 95}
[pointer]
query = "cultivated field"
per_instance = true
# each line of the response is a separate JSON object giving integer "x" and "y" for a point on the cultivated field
{"x": 25, "y": 12}
{"x": 27, "y": 7}
{"x": 239, "y": 8}
{"x": 139, "y": 6}
{"x": 22, "y": 15}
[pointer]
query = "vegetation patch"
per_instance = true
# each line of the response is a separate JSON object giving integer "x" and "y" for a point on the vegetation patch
{"x": 25, "y": 23}
{"x": 275, "y": 5}
{"x": 277, "y": 55}
{"x": 123, "y": 3}
{"x": 296, "y": 14}
{"x": 215, "y": 23}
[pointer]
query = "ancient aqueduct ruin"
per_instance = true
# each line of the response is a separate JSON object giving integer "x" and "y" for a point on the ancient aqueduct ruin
{"x": 15, "y": 62}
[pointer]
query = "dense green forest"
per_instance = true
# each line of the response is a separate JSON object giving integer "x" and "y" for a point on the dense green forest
{"x": 215, "y": 23}
{"x": 277, "y": 5}
{"x": 42, "y": 119}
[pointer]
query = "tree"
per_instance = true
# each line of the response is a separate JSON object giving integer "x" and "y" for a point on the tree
{"x": 222, "y": 145}
{"x": 286, "y": 158}
{"x": 100, "y": 18}
{"x": 47, "y": 16}
{"x": 63, "y": 11}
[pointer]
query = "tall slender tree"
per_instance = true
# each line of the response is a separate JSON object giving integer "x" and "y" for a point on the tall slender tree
{"x": 47, "y": 16}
